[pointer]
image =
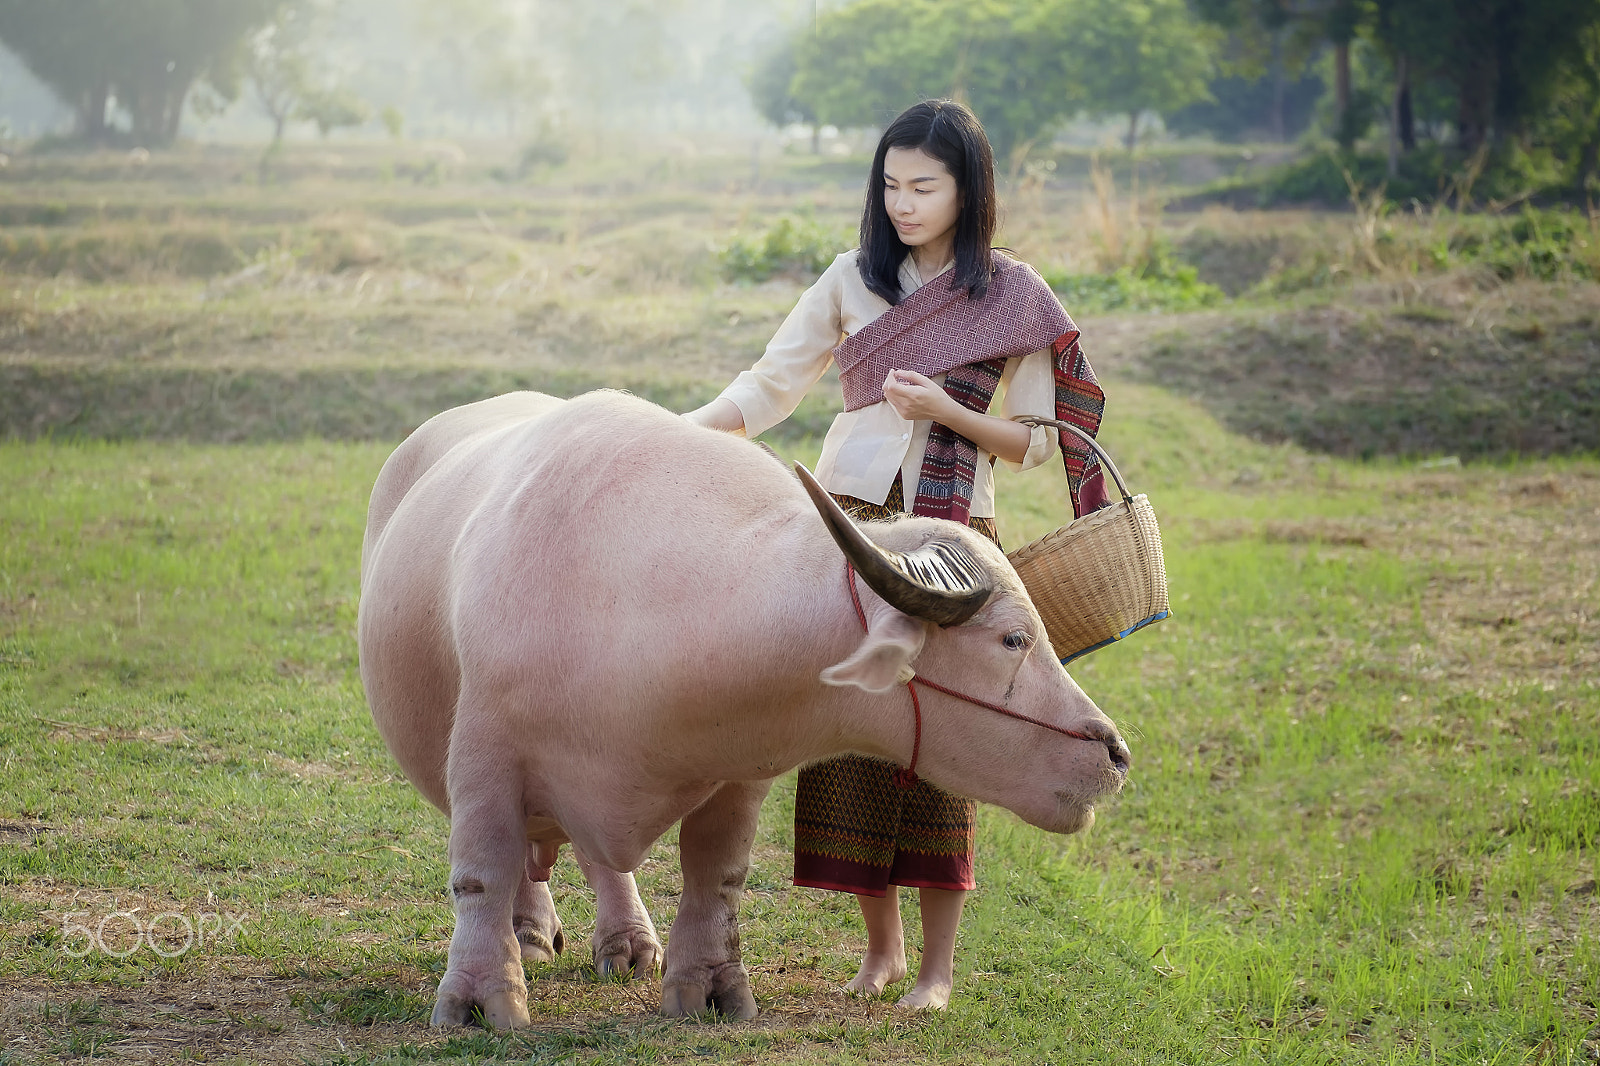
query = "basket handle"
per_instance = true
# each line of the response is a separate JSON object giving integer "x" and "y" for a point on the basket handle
{"x": 1038, "y": 420}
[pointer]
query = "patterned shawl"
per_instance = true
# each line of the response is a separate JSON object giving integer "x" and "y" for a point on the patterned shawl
{"x": 937, "y": 330}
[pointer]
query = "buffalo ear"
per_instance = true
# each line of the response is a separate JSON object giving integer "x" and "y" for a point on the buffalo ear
{"x": 884, "y": 657}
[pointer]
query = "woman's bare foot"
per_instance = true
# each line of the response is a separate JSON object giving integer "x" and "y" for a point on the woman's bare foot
{"x": 877, "y": 973}
{"x": 941, "y": 915}
{"x": 885, "y": 960}
{"x": 926, "y": 997}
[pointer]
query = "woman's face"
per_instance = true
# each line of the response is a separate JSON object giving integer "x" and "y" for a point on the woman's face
{"x": 920, "y": 196}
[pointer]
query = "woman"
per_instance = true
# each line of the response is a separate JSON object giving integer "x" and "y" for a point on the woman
{"x": 934, "y": 322}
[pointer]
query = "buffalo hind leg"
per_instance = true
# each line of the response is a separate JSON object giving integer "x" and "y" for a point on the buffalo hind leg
{"x": 533, "y": 913}
{"x": 625, "y": 941}
{"x": 704, "y": 968}
{"x": 488, "y": 866}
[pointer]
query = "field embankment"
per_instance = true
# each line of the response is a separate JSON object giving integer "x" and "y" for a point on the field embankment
{"x": 353, "y": 304}
{"x": 1512, "y": 373}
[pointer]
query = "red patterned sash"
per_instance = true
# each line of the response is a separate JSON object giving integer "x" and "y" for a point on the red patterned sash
{"x": 939, "y": 331}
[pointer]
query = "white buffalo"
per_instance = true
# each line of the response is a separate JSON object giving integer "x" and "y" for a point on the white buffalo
{"x": 585, "y": 620}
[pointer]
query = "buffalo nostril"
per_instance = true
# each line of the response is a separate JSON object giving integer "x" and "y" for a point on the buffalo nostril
{"x": 1121, "y": 757}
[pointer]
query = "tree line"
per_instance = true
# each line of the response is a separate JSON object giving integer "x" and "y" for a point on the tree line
{"x": 522, "y": 66}
{"x": 1025, "y": 66}
{"x": 1506, "y": 72}
{"x": 1474, "y": 75}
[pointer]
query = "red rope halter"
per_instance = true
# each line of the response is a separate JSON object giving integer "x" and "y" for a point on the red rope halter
{"x": 907, "y": 777}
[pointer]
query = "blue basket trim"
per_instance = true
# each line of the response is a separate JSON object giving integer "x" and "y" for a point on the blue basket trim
{"x": 1152, "y": 620}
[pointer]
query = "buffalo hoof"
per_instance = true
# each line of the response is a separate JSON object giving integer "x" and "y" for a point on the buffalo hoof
{"x": 537, "y": 946}
{"x": 634, "y": 953}
{"x": 459, "y": 1003}
{"x": 729, "y": 996}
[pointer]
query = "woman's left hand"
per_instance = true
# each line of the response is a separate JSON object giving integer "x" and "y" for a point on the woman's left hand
{"x": 915, "y": 397}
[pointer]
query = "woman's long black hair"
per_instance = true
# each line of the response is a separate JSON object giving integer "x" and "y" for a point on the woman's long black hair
{"x": 950, "y": 133}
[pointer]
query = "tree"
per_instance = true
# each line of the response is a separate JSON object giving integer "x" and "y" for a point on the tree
{"x": 868, "y": 61}
{"x": 1144, "y": 56}
{"x": 1006, "y": 63}
{"x": 144, "y": 54}
{"x": 278, "y": 63}
{"x": 1573, "y": 123}
{"x": 289, "y": 78}
{"x": 770, "y": 83}
{"x": 49, "y": 39}
{"x": 1534, "y": 46}
{"x": 1342, "y": 20}
{"x": 1023, "y": 66}
{"x": 1303, "y": 28}
{"x": 332, "y": 107}
{"x": 1264, "y": 80}
{"x": 488, "y": 44}
{"x": 1244, "y": 108}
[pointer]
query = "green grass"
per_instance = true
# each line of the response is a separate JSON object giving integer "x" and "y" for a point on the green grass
{"x": 1355, "y": 815}
{"x": 800, "y": 246}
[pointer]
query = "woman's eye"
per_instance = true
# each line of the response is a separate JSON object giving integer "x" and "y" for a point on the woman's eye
{"x": 1017, "y": 640}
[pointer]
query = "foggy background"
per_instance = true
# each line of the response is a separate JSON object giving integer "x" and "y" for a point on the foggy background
{"x": 498, "y": 68}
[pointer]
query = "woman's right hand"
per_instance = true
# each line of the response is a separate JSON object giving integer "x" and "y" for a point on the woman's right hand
{"x": 917, "y": 398}
{"x": 722, "y": 414}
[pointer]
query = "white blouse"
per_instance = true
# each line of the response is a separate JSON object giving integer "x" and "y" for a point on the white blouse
{"x": 866, "y": 448}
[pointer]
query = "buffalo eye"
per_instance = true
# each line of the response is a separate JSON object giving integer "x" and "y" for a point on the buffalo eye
{"x": 1017, "y": 640}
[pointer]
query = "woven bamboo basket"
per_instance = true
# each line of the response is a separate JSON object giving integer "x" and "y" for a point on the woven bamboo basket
{"x": 1098, "y": 578}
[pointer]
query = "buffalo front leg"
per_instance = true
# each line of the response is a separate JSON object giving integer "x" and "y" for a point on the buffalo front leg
{"x": 625, "y": 942}
{"x": 704, "y": 967}
{"x": 488, "y": 864}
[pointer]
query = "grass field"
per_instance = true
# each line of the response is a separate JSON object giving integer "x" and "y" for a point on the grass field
{"x": 1361, "y": 825}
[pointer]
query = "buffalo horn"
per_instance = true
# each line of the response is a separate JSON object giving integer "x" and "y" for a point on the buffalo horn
{"x": 940, "y": 582}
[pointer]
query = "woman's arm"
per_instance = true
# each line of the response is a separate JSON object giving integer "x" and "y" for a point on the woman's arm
{"x": 795, "y": 359}
{"x": 918, "y": 398}
{"x": 1030, "y": 389}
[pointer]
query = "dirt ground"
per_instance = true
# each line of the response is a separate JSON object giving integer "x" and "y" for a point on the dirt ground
{"x": 249, "y": 1012}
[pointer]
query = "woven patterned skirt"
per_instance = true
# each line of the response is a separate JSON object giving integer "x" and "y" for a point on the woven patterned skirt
{"x": 855, "y": 829}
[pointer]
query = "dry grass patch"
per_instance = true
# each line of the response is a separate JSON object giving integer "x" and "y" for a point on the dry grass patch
{"x": 244, "y": 1011}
